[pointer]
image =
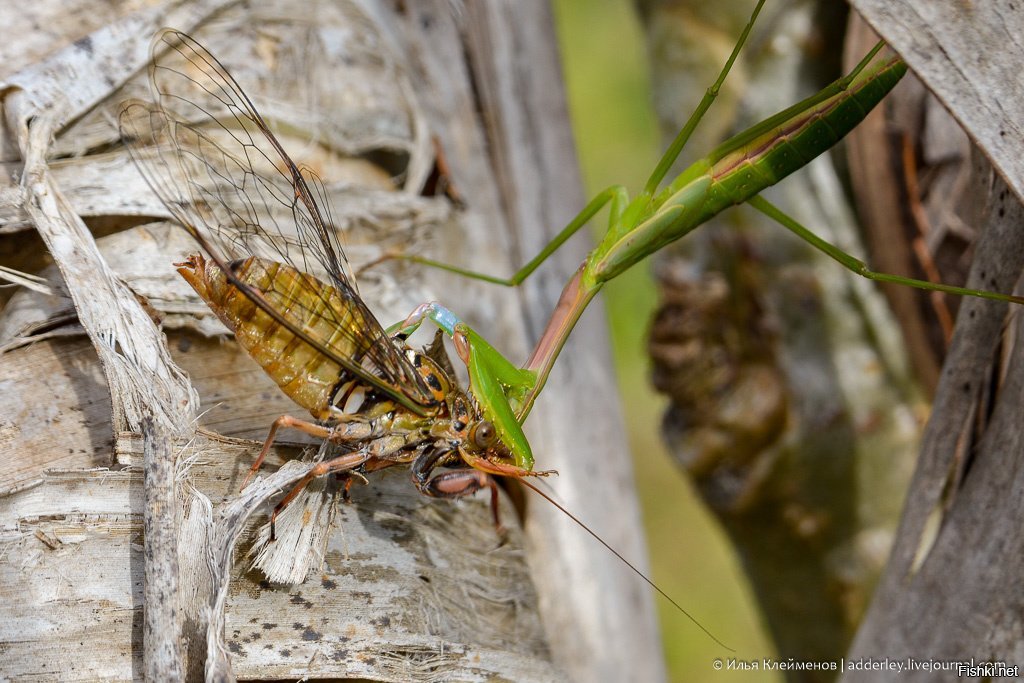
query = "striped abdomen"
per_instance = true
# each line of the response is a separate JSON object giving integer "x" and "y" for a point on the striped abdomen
{"x": 302, "y": 371}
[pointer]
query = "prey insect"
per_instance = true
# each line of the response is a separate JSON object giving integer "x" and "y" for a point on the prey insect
{"x": 264, "y": 225}
{"x": 733, "y": 173}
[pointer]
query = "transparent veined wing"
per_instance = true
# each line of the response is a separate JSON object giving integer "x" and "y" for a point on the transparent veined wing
{"x": 224, "y": 176}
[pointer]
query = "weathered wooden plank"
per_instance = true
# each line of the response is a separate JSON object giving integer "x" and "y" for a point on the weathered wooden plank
{"x": 969, "y": 55}
{"x": 414, "y": 589}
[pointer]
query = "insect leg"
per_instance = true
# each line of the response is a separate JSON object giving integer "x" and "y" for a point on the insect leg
{"x": 339, "y": 464}
{"x": 615, "y": 194}
{"x": 453, "y": 484}
{"x": 353, "y": 431}
{"x": 859, "y": 267}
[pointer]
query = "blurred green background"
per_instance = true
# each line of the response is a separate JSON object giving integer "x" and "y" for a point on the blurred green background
{"x": 606, "y": 73}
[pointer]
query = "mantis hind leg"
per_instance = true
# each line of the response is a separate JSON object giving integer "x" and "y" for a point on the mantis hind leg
{"x": 859, "y": 267}
{"x": 672, "y": 153}
{"x": 616, "y": 195}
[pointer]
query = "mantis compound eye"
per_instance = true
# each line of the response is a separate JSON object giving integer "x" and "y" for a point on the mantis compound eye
{"x": 483, "y": 434}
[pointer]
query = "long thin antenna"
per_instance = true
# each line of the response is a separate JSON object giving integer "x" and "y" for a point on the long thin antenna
{"x": 626, "y": 562}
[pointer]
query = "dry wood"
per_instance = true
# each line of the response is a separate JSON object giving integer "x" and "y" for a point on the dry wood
{"x": 403, "y": 588}
{"x": 954, "y": 564}
{"x": 162, "y": 632}
{"x": 969, "y": 56}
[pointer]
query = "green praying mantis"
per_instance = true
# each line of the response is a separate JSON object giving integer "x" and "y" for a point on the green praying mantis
{"x": 733, "y": 173}
{"x": 502, "y": 393}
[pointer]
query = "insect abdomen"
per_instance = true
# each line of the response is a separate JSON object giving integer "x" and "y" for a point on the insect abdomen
{"x": 745, "y": 165}
{"x": 303, "y": 372}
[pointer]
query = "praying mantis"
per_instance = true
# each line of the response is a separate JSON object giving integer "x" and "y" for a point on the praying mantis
{"x": 733, "y": 173}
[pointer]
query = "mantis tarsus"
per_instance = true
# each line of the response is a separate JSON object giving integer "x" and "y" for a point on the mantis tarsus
{"x": 733, "y": 173}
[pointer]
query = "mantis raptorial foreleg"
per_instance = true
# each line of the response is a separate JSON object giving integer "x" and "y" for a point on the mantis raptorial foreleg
{"x": 495, "y": 383}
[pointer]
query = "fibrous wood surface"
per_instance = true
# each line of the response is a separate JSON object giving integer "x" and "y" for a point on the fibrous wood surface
{"x": 396, "y": 587}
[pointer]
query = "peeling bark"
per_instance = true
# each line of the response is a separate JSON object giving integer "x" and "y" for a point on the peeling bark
{"x": 397, "y": 587}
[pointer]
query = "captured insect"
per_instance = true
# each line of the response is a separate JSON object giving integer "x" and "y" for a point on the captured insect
{"x": 213, "y": 161}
